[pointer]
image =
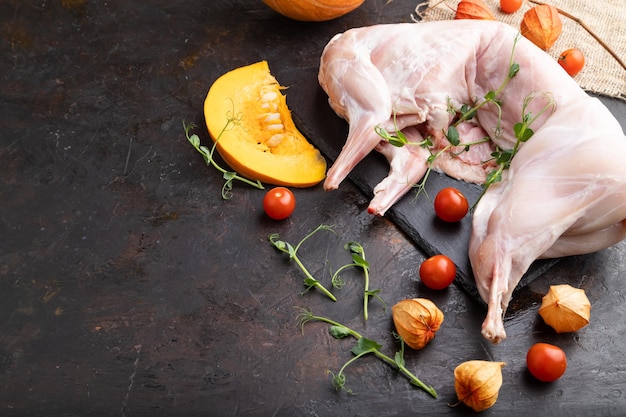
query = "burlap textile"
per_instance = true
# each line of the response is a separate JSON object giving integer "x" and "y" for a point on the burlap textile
{"x": 602, "y": 73}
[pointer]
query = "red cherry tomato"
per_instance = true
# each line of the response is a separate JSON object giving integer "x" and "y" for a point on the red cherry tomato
{"x": 510, "y": 6}
{"x": 437, "y": 272}
{"x": 450, "y": 205}
{"x": 572, "y": 61}
{"x": 546, "y": 362}
{"x": 279, "y": 203}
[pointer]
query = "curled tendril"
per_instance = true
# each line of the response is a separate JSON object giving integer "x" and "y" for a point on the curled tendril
{"x": 304, "y": 316}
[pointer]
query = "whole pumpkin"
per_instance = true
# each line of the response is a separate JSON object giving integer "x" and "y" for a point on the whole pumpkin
{"x": 313, "y": 10}
{"x": 261, "y": 141}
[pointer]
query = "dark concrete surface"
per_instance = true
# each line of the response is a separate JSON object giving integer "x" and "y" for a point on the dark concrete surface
{"x": 129, "y": 287}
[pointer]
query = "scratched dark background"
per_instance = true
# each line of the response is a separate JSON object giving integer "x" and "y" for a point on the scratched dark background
{"x": 128, "y": 287}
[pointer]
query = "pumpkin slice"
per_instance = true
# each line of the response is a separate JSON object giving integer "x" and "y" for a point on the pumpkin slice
{"x": 263, "y": 144}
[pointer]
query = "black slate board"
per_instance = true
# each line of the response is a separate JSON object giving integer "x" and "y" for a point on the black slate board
{"x": 414, "y": 216}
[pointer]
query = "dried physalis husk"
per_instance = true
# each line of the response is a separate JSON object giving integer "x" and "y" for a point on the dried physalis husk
{"x": 473, "y": 9}
{"x": 477, "y": 383}
{"x": 542, "y": 25}
{"x": 565, "y": 308}
{"x": 416, "y": 320}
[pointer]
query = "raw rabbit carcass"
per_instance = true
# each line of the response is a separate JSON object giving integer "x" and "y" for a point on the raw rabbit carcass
{"x": 565, "y": 190}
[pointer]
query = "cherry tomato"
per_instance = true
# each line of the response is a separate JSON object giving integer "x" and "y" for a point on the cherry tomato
{"x": 279, "y": 203}
{"x": 546, "y": 362}
{"x": 510, "y": 6}
{"x": 572, "y": 61}
{"x": 450, "y": 205}
{"x": 437, "y": 272}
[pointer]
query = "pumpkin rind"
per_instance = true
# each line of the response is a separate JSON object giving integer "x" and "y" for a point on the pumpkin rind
{"x": 264, "y": 143}
{"x": 313, "y": 10}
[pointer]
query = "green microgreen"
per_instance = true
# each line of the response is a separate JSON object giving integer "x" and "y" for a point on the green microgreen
{"x": 468, "y": 112}
{"x": 357, "y": 252}
{"x": 397, "y": 139}
{"x": 363, "y": 346}
{"x": 286, "y": 247}
{"x": 523, "y": 133}
{"x": 232, "y": 120}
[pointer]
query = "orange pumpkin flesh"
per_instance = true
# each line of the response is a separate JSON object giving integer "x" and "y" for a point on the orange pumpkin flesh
{"x": 313, "y": 10}
{"x": 263, "y": 144}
